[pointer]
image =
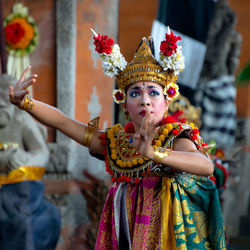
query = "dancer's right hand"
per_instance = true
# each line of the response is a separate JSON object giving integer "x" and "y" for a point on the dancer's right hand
{"x": 18, "y": 92}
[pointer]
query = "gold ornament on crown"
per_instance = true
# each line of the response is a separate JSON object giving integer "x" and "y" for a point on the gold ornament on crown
{"x": 144, "y": 66}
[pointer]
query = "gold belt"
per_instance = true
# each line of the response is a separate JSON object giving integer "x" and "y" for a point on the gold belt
{"x": 23, "y": 173}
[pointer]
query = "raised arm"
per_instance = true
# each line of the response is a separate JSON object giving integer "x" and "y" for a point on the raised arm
{"x": 184, "y": 156}
{"x": 48, "y": 115}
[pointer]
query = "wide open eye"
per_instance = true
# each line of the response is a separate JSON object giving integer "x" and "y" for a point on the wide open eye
{"x": 154, "y": 92}
{"x": 134, "y": 93}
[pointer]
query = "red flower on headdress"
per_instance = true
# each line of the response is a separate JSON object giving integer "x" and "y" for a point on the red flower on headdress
{"x": 103, "y": 44}
{"x": 169, "y": 45}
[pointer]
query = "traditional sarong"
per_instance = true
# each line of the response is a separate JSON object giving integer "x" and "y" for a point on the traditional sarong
{"x": 181, "y": 212}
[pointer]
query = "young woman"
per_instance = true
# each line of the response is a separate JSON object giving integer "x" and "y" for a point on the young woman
{"x": 162, "y": 197}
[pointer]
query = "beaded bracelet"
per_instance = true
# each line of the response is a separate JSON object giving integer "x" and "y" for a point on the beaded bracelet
{"x": 28, "y": 104}
{"x": 160, "y": 153}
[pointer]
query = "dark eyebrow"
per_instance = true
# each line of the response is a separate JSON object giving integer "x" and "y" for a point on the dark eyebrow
{"x": 135, "y": 88}
{"x": 152, "y": 87}
{"x": 138, "y": 87}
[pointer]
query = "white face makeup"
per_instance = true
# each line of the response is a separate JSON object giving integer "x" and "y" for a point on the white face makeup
{"x": 145, "y": 97}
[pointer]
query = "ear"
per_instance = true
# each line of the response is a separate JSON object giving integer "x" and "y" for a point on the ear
{"x": 124, "y": 106}
{"x": 167, "y": 103}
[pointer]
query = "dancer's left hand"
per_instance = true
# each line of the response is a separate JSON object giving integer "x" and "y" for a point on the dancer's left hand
{"x": 144, "y": 136}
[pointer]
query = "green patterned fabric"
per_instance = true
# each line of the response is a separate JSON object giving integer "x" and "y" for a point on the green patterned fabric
{"x": 198, "y": 222}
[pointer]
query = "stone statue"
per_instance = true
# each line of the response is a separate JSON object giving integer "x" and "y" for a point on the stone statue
{"x": 216, "y": 90}
{"x": 23, "y": 143}
{"x": 223, "y": 44}
{"x": 27, "y": 220}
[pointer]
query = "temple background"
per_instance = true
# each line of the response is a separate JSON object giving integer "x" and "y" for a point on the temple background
{"x": 126, "y": 21}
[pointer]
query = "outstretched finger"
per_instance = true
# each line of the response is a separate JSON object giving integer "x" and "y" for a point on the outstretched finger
{"x": 145, "y": 125}
{"x": 144, "y": 121}
{"x": 26, "y": 70}
{"x": 27, "y": 83}
{"x": 152, "y": 128}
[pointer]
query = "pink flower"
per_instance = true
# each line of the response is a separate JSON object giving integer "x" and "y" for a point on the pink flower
{"x": 119, "y": 96}
{"x": 171, "y": 91}
{"x": 103, "y": 44}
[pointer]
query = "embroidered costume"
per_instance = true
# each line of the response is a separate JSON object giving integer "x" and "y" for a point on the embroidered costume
{"x": 150, "y": 205}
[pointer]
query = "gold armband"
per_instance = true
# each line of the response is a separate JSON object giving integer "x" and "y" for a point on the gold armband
{"x": 28, "y": 104}
{"x": 89, "y": 131}
{"x": 160, "y": 153}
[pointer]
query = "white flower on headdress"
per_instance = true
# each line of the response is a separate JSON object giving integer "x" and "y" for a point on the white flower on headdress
{"x": 175, "y": 62}
{"x": 171, "y": 56}
{"x": 171, "y": 91}
{"x": 114, "y": 62}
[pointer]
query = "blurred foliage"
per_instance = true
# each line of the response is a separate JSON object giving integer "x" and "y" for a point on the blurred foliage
{"x": 243, "y": 77}
{"x": 212, "y": 147}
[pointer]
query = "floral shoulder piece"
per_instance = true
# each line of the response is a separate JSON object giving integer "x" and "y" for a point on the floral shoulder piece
{"x": 125, "y": 163}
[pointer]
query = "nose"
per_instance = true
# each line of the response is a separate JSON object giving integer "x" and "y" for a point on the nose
{"x": 145, "y": 101}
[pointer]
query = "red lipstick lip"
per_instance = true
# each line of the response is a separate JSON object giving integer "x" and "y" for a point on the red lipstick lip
{"x": 142, "y": 113}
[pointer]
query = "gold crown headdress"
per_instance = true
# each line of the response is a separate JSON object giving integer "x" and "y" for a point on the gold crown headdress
{"x": 144, "y": 66}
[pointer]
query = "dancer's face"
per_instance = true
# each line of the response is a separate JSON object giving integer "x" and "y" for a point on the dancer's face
{"x": 145, "y": 97}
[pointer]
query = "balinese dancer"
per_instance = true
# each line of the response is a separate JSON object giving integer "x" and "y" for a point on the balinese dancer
{"x": 162, "y": 196}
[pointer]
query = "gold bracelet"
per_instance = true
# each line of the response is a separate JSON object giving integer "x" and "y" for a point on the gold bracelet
{"x": 89, "y": 131}
{"x": 160, "y": 153}
{"x": 28, "y": 104}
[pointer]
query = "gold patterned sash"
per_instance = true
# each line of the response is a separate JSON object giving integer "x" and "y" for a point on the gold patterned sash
{"x": 167, "y": 226}
{"x": 23, "y": 173}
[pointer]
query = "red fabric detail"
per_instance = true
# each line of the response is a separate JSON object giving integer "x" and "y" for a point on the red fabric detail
{"x": 212, "y": 178}
{"x": 129, "y": 128}
{"x": 103, "y": 136}
{"x": 177, "y": 116}
{"x": 170, "y": 119}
